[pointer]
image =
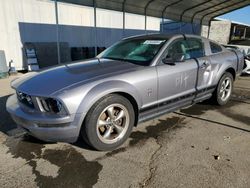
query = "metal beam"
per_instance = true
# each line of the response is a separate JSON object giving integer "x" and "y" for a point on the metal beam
{"x": 193, "y": 7}
{"x": 164, "y": 10}
{"x": 94, "y": 2}
{"x": 245, "y": 32}
{"x": 162, "y": 24}
{"x": 192, "y": 20}
{"x": 123, "y": 18}
{"x": 57, "y": 34}
{"x": 190, "y": 8}
{"x": 208, "y": 32}
{"x": 145, "y": 11}
{"x": 169, "y": 5}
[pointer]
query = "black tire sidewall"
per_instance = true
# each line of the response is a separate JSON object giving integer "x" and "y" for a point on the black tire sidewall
{"x": 89, "y": 132}
{"x": 218, "y": 98}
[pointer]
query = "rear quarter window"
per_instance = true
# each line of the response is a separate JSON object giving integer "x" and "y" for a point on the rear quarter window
{"x": 215, "y": 48}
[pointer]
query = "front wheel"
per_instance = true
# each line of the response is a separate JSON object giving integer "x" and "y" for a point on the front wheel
{"x": 109, "y": 122}
{"x": 224, "y": 89}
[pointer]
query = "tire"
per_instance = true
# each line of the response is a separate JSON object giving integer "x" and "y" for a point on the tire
{"x": 218, "y": 96}
{"x": 108, "y": 123}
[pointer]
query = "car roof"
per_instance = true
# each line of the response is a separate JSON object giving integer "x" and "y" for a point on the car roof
{"x": 159, "y": 36}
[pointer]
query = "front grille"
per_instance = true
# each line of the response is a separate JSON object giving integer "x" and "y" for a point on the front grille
{"x": 25, "y": 99}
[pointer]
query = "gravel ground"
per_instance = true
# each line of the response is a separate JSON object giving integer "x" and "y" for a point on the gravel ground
{"x": 200, "y": 146}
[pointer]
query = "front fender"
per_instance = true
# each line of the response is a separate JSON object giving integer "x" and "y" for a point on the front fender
{"x": 104, "y": 89}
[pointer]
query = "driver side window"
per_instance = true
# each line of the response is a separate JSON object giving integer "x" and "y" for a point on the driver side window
{"x": 179, "y": 47}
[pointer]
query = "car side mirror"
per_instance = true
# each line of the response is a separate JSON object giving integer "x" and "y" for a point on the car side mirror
{"x": 168, "y": 61}
{"x": 178, "y": 57}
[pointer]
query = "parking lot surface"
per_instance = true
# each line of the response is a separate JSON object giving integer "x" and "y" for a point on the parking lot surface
{"x": 200, "y": 146}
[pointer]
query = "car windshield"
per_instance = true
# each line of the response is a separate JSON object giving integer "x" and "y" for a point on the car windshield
{"x": 137, "y": 51}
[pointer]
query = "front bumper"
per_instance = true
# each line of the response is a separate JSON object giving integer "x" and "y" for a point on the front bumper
{"x": 48, "y": 128}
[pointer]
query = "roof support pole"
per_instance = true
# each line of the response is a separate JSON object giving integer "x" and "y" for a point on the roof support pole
{"x": 162, "y": 24}
{"x": 208, "y": 30}
{"x": 245, "y": 32}
{"x": 95, "y": 32}
{"x": 234, "y": 31}
{"x": 57, "y": 34}
{"x": 123, "y": 24}
{"x": 200, "y": 29}
{"x": 123, "y": 18}
{"x": 145, "y": 12}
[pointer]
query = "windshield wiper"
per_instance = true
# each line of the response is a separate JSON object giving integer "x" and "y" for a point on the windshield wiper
{"x": 119, "y": 59}
{"x": 126, "y": 60}
{"x": 113, "y": 58}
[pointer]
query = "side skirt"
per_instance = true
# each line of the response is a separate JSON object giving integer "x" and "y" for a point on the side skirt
{"x": 157, "y": 113}
{"x": 175, "y": 104}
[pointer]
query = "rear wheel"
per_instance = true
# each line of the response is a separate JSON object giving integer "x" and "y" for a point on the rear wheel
{"x": 109, "y": 122}
{"x": 224, "y": 89}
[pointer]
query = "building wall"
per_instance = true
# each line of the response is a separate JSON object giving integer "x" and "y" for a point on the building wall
{"x": 35, "y": 21}
{"x": 219, "y": 31}
{"x": 204, "y": 31}
{"x": 12, "y": 12}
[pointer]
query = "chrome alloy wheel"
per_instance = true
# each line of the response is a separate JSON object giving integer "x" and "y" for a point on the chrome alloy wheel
{"x": 226, "y": 89}
{"x": 112, "y": 123}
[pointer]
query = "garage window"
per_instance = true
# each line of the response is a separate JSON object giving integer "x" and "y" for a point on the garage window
{"x": 215, "y": 48}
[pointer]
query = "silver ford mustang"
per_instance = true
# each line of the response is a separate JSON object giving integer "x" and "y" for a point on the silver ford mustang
{"x": 134, "y": 80}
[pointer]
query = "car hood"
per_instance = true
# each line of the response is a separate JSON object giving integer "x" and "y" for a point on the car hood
{"x": 48, "y": 81}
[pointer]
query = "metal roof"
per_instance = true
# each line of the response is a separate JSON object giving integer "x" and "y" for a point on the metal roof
{"x": 197, "y": 11}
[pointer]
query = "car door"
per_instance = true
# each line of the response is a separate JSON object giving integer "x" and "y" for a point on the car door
{"x": 196, "y": 51}
{"x": 176, "y": 81}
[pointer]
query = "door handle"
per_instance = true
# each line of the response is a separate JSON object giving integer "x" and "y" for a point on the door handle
{"x": 204, "y": 65}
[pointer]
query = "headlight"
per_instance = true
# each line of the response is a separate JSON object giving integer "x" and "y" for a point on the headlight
{"x": 25, "y": 99}
{"x": 52, "y": 105}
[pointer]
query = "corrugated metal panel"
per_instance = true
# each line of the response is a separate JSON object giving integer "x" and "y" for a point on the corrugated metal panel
{"x": 198, "y": 11}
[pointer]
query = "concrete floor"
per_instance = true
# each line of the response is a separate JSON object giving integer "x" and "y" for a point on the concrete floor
{"x": 201, "y": 146}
